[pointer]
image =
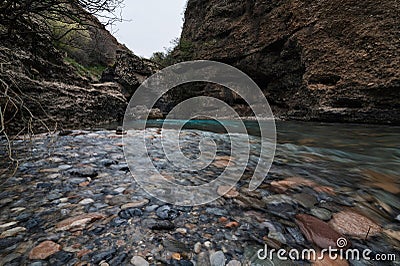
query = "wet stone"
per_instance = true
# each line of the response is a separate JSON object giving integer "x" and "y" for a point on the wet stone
{"x": 83, "y": 172}
{"x": 44, "y": 186}
{"x": 284, "y": 210}
{"x": 203, "y": 259}
{"x": 61, "y": 258}
{"x": 107, "y": 162}
{"x": 44, "y": 250}
{"x": 12, "y": 232}
{"x": 181, "y": 263}
{"x": 9, "y": 241}
{"x": 321, "y": 213}
{"x": 86, "y": 201}
{"x": 217, "y": 211}
{"x": 136, "y": 204}
{"x": 217, "y": 259}
{"x": 119, "y": 260}
{"x": 305, "y": 200}
{"x": 117, "y": 222}
{"x": 139, "y": 261}
{"x": 296, "y": 234}
{"x": 130, "y": 213}
{"x": 234, "y": 263}
{"x": 318, "y": 232}
{"x": 103, "y": 255}
{"x": 33, "y": 223}
{"x": 166, "y": 212}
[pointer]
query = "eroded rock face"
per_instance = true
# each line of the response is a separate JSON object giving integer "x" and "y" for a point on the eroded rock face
{"x": 129, "y": 71}
{"x": 314, "y": 60}
{"x": 43, "y": 85}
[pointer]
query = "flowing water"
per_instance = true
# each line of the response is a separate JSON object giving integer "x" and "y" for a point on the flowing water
{"x": 344, "y": 174}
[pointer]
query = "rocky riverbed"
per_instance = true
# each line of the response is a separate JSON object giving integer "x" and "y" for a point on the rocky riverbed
{"x": 73, "y": 201}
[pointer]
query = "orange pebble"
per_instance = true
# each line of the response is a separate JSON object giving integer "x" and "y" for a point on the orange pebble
{"x": 223, "y": 220}
{"x": 232, "y": 224}
{"x": 176, "y": 256}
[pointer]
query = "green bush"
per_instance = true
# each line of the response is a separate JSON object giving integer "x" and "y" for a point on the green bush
{"x": 181, "y": 51}
{"x": 93, "y": 72}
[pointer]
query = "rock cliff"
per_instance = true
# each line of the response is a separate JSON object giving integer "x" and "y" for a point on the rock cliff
{"x": 325, "y": 60}
{"x": 44, "y": 87}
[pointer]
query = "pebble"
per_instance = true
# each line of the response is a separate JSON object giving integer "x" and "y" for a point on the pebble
{"x": 354, "y": 224}
{"x": 104, "y": 255}
{"x": 44, "y": 250}
{"x": 182, "y": 231}
{"x": 12, "y": 232}
{"x": 86, "y": 201}
{"x": 234, "y": 263}
{"x": 321, "y": 213}
{"x": 197, "y": 247}
{"x": 82, "y": 195}
{"x": 203, "y": 259}
{"x": 135, "y": 204}
{"x": 227, "y": 192}
{"x": 166, "y": 212}
{"x": 130, "y": 213}
{"x": 217, "y": 211}
{"x": 139, "y": 261}
{"x": 305, "y": 200}
{"x": 318, "y": 232}
{"x": 3, "y": 226}
{"x": 217, "y": 259}
{"x": 79, "y": 221}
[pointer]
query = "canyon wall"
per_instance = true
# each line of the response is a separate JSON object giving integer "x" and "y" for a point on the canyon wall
{"x": 326, "y": 60}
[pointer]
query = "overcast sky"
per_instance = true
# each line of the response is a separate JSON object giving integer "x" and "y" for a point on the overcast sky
{"x": 152, "y": 25}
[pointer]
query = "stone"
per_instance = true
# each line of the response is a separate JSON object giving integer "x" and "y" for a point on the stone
{"x": 232, "y": 225}
{"x": 12, "y": 232}
{"x": 103, "y": 255}
{"x": 197, "y": 248}
{"x": 176, "y": 256}
{"x": 182, "y": 231}
{"x": 6, "y": 225}
{"x": 292, "y": 182}
{"x": 217, "y": 259}
{"x": 135, "y": 204}
{"x": 86, "y": 201}
{"x": 130, "y": 213}
{"x": 227, "y": 192}
{"x": 44, "y": 250}
{"x": 319, "y": 232}
{"x": 305, "y": 200}
{"x": 203, "y": 259}
{"x": 321, "y": 213}
{"x": 354, "y": 224}
{"x": 217, "y": 211}
{"x": 120, "y": 131}
{"x": 139, "y": 261}
{"x": 166, "y": 212}
{"x": 79, "y": 221}
{"x": 234, "y": 263}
